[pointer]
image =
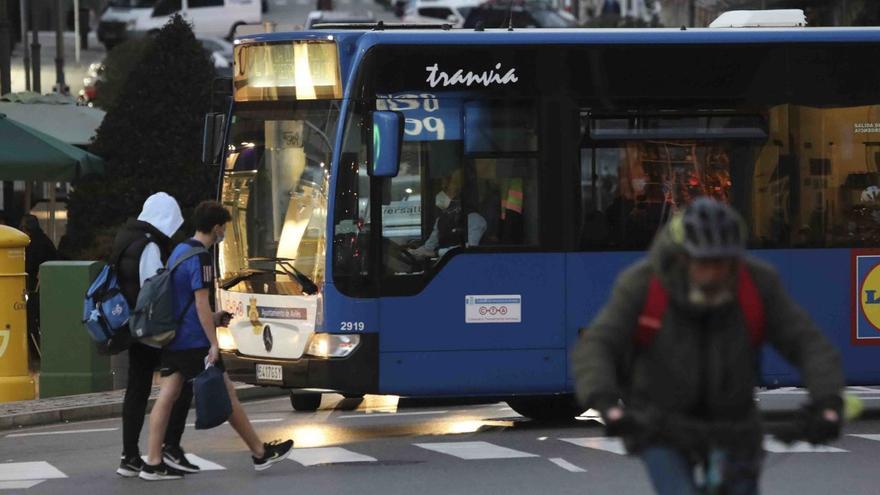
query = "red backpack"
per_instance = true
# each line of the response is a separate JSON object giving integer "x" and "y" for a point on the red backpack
{"x": 651, "y": 318}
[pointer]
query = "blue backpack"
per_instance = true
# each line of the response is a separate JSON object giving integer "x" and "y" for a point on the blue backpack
{"x": 105, "y": 310}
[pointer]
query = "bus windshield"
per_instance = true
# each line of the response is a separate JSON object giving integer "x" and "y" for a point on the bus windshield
{"x": 275, "y": 185}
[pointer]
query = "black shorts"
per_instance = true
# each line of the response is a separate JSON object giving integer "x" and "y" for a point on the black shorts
{"x": 189, "y": 362}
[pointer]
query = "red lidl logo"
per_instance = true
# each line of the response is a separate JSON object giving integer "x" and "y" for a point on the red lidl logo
{"x": 867, "y": 291}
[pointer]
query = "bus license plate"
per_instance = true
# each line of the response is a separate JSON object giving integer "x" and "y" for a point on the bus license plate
{"x": 271, "y": 372}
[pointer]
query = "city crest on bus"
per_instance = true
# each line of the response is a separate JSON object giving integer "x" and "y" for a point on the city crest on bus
{"x": 866, "y": 289}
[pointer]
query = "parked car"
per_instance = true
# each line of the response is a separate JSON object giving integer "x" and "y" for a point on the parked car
{"x": 220, "y": 52}
{"x": 217, "y": 18}
{"x": 338, "y": 17}
{"x": 522, "y": 14}
{"x": 121, "y": 17}
{"x": 452, "y": 12}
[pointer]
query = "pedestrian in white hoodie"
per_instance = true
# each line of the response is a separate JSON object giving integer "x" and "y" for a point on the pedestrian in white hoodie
{"x": 140, "y": 250}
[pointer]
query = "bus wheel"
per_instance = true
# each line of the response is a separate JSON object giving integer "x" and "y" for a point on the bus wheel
{"x": 547, "y": 408}
{"x": 305, "y": 402}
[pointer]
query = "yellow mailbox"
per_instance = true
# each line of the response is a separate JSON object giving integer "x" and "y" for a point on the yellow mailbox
{"x": 15, "y": 381}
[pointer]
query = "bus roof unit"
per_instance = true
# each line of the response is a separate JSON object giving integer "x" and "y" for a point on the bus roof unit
{"x": 760, "y": 19}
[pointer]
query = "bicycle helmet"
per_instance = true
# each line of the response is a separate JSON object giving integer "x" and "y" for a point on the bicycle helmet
{"x": 711, "y": 229}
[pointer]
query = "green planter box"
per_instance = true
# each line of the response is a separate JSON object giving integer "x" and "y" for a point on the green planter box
{"x": 70, "y": 362}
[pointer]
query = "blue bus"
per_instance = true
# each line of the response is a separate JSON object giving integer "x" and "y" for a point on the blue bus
{"x": 562, "y": 152}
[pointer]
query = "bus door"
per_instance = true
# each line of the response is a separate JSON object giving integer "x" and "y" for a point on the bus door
{"x": 469, "y": 305}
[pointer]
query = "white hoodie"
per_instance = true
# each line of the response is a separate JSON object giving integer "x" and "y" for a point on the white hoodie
{"x": 162, "y": 212}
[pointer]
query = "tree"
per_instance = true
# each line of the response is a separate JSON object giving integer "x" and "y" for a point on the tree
{"x": 150, "y": 140}
{"x": 118, "y": 65}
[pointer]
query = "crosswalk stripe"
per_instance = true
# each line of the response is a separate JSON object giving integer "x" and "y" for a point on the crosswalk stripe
{"x": 866, "y": 436}
{"x": 201, "y": 462}
{"x": 327, "y": 455}
{"x": 18, "y": 471}
{"x": 613, "y": 445}
{"x": 567, "y": 465}
{"x": 19, "y": 485}
{"x": 474, "y": 450}
{"x": 776, "y": 447}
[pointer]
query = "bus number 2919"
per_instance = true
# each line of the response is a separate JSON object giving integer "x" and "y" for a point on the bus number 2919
{"x": 351, "y": 326}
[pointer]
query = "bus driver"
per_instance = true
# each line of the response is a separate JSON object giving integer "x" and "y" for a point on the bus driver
{"x": 457, "y": 222}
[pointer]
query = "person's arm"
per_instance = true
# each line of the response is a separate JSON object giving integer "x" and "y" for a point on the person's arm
{"x": 476, "y": 227}
{"x": 793, "y": 333}
{"x": 605, "y": 345}
{"x": 150, "y": 263}
{"x": 206, "y": 318}
{"x": 201, "y": 282}
{"x": 433, "y": 240}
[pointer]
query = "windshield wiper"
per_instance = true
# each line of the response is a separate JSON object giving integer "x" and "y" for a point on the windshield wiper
{"x": 241, "y": 277}
{"x": 286, "y": 265}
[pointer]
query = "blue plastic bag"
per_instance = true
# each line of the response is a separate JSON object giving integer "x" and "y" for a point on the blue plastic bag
{"x": 213, "y": 406}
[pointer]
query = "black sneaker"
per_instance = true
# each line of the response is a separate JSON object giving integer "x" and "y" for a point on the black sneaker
{"x": 176, "y": 458}
{"x": 275, "y": 451}
{"x": 160, "y": 472}
{"x": 130, "y": 466}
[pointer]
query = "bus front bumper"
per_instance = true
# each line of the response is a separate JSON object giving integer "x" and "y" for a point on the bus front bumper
{"x": 358, "y": 373}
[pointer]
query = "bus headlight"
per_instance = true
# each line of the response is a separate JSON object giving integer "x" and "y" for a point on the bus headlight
{"x": 327, "y": 345}
{"x": 225, "y": 340}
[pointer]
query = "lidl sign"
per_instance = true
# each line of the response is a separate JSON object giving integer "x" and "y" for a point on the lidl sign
{"x": 866, "y": 297}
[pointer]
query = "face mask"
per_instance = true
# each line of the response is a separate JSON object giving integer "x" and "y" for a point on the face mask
{"x": 442, "y": 200}
{"x": 711, "y": 296}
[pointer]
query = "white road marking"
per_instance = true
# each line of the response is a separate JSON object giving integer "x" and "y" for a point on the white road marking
{"x": 253, "y": 421}
{"x": 205, "y": 464}
{"x": 474, "y": 450}
{"x": 280, "y": 3}
{"x": 201, "y": 462}
{"x": 567, "y": 465}
{"x": 19, "y": 471}
{"x": 327, "y": 455}
{"x": 64, "y": 432}
{"x": 776, "y": 447}
{"x": 613, "y": 445}
{"x": 875, "y": 438}
{"x": 380, "y": 415}
{"x": 19, "y": 485}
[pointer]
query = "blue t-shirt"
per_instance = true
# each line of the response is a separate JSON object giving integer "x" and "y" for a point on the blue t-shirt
{"x": 193, "y": 274}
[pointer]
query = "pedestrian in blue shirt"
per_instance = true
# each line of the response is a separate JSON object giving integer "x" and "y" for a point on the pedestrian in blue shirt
{"x": 195, "y": 345}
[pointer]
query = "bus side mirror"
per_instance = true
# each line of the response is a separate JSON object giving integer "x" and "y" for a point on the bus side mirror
{"x": 386, "y": 143}
{"x": 212, "y": 138}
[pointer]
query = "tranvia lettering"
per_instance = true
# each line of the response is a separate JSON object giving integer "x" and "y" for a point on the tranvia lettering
{"x": 437, "y": 77}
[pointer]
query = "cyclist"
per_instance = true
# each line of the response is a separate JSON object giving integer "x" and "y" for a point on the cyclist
{"x": 680, "y": 340}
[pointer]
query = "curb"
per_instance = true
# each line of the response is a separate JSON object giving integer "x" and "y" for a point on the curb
{"x": 102, "y": 411}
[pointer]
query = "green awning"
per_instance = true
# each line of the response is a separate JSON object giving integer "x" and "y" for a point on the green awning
{"x": 28, "y": 154}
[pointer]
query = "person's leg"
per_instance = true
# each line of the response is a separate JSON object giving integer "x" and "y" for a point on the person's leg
{"x": 142, "y": 361}
{"x": 669, "y": 470}
{"x": 240, "y": 422}
{"x": 168, "y": 394}
{"x": 177, "y": 420}
{"x": 741, "y": 472}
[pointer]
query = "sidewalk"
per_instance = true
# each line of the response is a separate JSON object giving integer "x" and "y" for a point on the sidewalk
{"x": 73, "y": 72}
{"x": 94, "y": 406}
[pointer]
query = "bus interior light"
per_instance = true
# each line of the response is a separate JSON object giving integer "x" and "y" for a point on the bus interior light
{"x": 326, "y": 345}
